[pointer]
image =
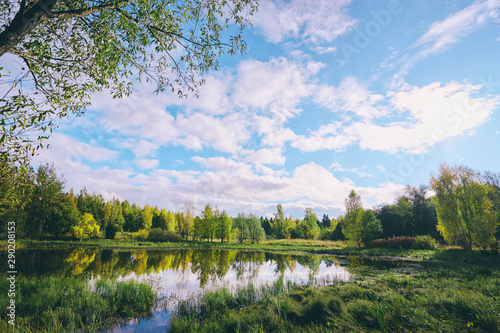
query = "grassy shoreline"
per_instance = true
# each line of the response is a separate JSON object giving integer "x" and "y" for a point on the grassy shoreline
{"x": 339, "y": 248}
{"x": 56, "y": 304}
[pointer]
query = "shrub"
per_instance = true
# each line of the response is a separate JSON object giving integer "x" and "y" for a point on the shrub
{"x": 141, "y": 235}
{"x": 124, "y": 236}
{"x": 424, "y": 243}
{"x": 160, "y": 235}
{"x": 297, "y": 233}
{"x": 401, "y": 242}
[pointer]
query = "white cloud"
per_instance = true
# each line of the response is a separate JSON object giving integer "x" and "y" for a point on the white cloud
{"x": 278, "y": 138}
{"x": 141, "y": 115}
{"x": 324, "y": 50}
{"x": 337, "y": 167}
{"x": 212, "y": 97}
{"x": 442, "y": 35}
{"x": 274, "y": 87}
{"x": 140, "y": 148}
{"x": 436, "y": 112}
{"x": 385, "y": 193}
{"x": 259, "y": 97}
{"x": 265, "y": 156}
{"x": 147, "y": 164}
{"x": 62, "y": 146}
{"x": 321, "y": 21}
{"x": 224, "y": 134}
{"x": 232, "y": 185}
{"x": 351, "y": 96}
{"x": 329, "y": 137}
{"x": 429, "y": 114}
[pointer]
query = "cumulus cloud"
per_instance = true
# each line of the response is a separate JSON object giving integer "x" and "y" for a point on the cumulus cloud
{"x": 317, "y": 22}
{"x": 278, "y": 137}
{"x": 275, "y": 87}
{"x": 224, "y": 134}
{"x": 147, "y": 164}
{"x": 236, "y": 186}
{"x": 140, "y": 115}
{"x": 351, "y": 96}
{"x": 67, "y": 149}
{"x": 258, "y": 97}
{"x": 429, "y": 114}
{"x": 328, "y": 137}
{"x": 265, "y": 156}
{"x": 436, "y": 112}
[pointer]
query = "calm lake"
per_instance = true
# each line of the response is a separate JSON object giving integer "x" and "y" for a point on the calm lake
{"x": 183, "y": 273}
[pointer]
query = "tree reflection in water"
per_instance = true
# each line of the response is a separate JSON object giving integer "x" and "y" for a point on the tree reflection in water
{"x": 181, "y": 271}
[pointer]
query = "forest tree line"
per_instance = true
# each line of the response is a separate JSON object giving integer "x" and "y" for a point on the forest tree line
{"x": 464, "y": 210}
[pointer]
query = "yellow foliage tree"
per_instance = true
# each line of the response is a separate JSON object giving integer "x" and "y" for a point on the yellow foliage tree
{"x": 464, "y": 210}
{"x": 87, "y": 227}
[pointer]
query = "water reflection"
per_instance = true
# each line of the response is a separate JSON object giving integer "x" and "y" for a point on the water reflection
{"x": 181, "y": 273}
{"x": 206, "y": 266}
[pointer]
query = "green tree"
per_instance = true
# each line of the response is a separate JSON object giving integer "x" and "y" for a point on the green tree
{"x": 397, "y": 220}
{"x": 132, "y": 215}
{"x": 44, "y": 198}
{"x": 146, "y": 218}
{"x": 224, "y": 224}
{"x": 106, "y": 215}
{"x": 208, "y": 223}
{"x": 170, "y": 227}
{"x": 281, "y": 226}
{"x": 240, "y": 227}
{"x": 256, "y": 232}
{"x": 326, "y": 221}
{"x": 188, "y": 219}
{"x": 372, "y": 228}
{"x": 464, "y": 210}
{"x": 492, "y": 179}
{"x": 156, "y": 217}
{"x": 162, "y": 220}
{"x": 72, "y": 48}
{"x": 16, "y": 186}
{"x": 86, "y": 227}
{"x": 424, "y": 213}
{"x": 91, "y": 203}
{"x": 353, "y": 229}
{"x": 116, "y": 220}
{"x": 179, "y": 223}
{"x": 360, "y": 226}
{"x": 311, "y": 230}
{"x": 197, "y": 228}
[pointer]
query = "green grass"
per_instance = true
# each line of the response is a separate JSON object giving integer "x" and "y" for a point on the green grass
{"x": 51, "y": 304}
{"x": 456, "y": 292}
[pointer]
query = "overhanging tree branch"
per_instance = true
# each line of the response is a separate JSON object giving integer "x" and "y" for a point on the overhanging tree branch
{"x": 22, "y": 23}
{"x": 84, "y": 11}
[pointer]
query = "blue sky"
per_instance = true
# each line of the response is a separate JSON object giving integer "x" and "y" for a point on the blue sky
{"x": 330, "y": 97}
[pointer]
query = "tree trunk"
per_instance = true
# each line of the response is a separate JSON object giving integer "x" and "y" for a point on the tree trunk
{"x": 23, "y": 23}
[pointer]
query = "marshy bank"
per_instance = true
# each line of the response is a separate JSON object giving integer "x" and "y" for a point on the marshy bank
{"x": 219, "y": 290}
{"x": 57, "y": 304}
{"x": 459, "y": 292}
